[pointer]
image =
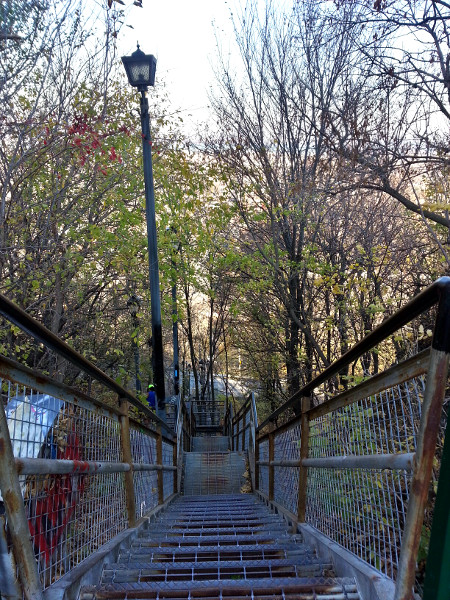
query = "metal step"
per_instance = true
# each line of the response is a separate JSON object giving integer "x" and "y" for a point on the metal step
{"x": 290, "y": 588}
{"x": 210, "y": 572}
{"x": 266, "y": 552}
{"x": 219, "y": 547}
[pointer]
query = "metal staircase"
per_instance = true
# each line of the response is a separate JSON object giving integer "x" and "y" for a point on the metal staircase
{"x": 218, "y": 546}
{"x": 107, "y": 500}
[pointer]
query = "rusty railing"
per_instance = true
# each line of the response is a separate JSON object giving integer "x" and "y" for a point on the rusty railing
{"x": 357, "y": 464}
{"x": 74, "y": 472}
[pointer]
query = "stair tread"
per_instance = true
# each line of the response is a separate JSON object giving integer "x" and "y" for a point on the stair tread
{"x": 225, "y": 564}
{"x": 331, "y": 584}
{"x": 213, "y": 528}
{"x": 285, "y": 547}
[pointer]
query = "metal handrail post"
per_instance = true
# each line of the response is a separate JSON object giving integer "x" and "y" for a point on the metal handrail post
{"x": 426, "y": 445}
{"x": 159, "y": 460}
{"x": 180, "y": 443}
{"x": 125, "y": 442}
{"x": 303, "y": 473}
{"x": 437, "y": 573}
{"x": 256, "y": 462}
{"x": 175, "y": 464}
{"x": 16, "y": 516}
{"x": 255, "y": 412}
{"x": 271, "y": 459}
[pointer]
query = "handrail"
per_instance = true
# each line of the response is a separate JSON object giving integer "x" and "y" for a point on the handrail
{"x": 59, "y": 435}
{"x": 28, "y": 324}
{"x": 389, "y": 422}
{"x": 14, "y": 371}
{"x": 243, "y": 408}
{"x": 424, "y": 300}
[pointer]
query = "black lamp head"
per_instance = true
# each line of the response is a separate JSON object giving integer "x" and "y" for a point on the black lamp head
{"x": 140, "y": 69}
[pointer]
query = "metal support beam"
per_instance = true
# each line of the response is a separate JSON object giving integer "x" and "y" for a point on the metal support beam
{"x": 9, "y": 586}
{"x": 175, "y": 464}
{"x": 403, "y": 461}
{"x": 256, "y": 465}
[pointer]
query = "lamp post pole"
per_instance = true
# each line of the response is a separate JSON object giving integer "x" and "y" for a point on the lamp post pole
{"x": 176, "y": 366}
{"x": 140, "y": 69}
{"x": 134, "y": 303}
{"x": 157, "y": 356}
{"x": 176, "y": 361}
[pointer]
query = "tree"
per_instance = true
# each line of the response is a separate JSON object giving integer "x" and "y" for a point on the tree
{"x": 395, "y": 131}
{"x": 272, "y": 144}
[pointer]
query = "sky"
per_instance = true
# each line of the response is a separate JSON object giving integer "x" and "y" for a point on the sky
{"x": 181, "y": 34}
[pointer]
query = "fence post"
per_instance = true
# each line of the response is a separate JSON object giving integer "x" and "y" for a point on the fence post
{"x": 16, "y": 516}
{"x": 303, "y": 472}
{"x": 159, "y": 460}
{"x": 437, "y": 573}
{"x": 423, "y": 464}
{"x": 191, "y": 427}
{"x": 125, "y": 442}
{"x": 175, "y": 464}
{"x": 244, "y": 431}
{"x": 271, "y": 459}
{"x": 256, "y": 462}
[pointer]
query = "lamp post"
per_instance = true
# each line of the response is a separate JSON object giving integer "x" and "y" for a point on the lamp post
{"x": 134, "y": 304}
{"x": 176, "y": 247}
{"x": 176, "y": 365}
{"x": 140, "y": 69}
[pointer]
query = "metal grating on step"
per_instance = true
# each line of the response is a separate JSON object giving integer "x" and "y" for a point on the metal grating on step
{"x": 300, "y": 554}
{"x": 229, "y": 547}
{"x": 290, "y": 589}
{"x": 201, "y": 571}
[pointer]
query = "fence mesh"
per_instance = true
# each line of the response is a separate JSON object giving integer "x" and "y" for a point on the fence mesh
{"x": 287, "y": 447}
{"x": 70, "y": 515}
{"x": 263, "y": 470}
{"x": 386, "y": 423}
{"x": 143, "y": 451}
{"x": 365, "y": 510}
{"x": 168, "y": 476}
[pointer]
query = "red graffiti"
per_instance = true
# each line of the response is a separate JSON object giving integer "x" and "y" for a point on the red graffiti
{"x": 51, "y": 510}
